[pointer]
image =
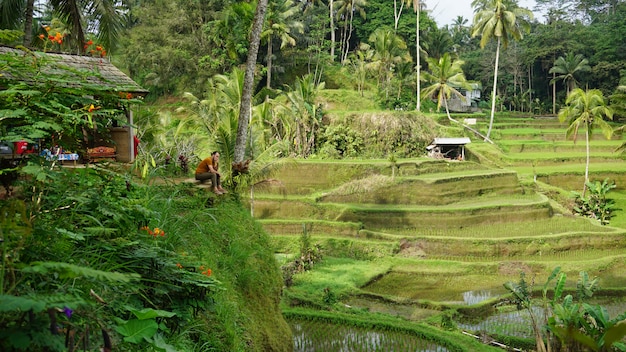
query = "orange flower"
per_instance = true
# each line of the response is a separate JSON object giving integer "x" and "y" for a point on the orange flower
{"x": 41, "y": 36}
{"x": 58, "y": 36}
{"x": 60, "y": 41}
{"x": 179, "y": 266}
{"x": 90, "y": 42}
{"x": 91, "y": 108}
{"x": 145, "y": 228}
{"x": 129, "y": 96}
{"x": 51, "y": 37}
{"x": 103, "y": 53}
{"x": 99, "y": 48}
{"x": 207, "y": 272}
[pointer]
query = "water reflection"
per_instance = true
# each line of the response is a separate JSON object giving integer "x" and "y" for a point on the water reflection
{"x": 518, "y": 323}
{"x": 317, "y": 336}
{"x": 475, "y": 297}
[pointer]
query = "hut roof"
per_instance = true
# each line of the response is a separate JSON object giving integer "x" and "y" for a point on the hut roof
{"x": 451, "y": 141}
{"x": 105, "y": 73}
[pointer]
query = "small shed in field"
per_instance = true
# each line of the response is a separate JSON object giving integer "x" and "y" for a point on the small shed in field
{"x": 97, "y": 71}
{"x": 448, "y": 148}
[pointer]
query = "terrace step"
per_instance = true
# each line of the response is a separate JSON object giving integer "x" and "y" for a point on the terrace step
{"x": 428, "y": 189}
{"x": 479, "y": 210}
{"x": 305, "y": 178}
{"x": 558, "y": 146}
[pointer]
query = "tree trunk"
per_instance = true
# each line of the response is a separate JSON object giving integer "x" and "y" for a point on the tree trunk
{"x": 332, "y": 32}
{"x": 587, "y": 161}
{"x": 28, "y": 23}
{"x": 269, "y": 62}
{"x": 246, "y": 96}
{"x": 418, "y": 105}
{"x": 445, "y": 102}
{"x": 553, "y": 94}
{"x": 396, "y": 15}
{"x": 495, "y": 85}
{"x": 345, "y": 55}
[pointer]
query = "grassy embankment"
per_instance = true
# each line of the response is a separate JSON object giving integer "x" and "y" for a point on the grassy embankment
{"x": 436, "y": 229}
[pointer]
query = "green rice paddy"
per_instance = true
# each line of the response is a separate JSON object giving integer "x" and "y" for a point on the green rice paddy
{"x": 430, "y": 235}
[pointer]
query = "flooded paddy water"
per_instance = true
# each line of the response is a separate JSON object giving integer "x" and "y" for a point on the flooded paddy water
{"x": 311, "y": 336}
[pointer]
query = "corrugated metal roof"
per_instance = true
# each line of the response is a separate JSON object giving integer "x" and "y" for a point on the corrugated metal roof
{"x": 451, "y": 141}
{"x": 105, "y": 73}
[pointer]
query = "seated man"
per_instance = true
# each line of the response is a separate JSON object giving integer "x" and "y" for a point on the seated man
{"x": 208, "y": 170}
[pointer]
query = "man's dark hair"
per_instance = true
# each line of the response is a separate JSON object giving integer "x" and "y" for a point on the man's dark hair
{"x": 215, "y": 152}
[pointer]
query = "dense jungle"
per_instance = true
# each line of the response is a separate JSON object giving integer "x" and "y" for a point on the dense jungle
{"x": 345, "y": 226}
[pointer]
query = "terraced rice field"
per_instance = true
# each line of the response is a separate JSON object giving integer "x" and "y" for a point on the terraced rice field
{"x": 442, "y": 231}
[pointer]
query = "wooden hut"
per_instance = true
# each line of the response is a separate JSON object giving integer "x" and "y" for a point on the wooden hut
{"x": 106, "y": 75}
{"x": 448, "y": 148}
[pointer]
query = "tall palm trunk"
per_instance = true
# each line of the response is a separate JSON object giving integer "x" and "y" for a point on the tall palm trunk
{"x": 345, "y": 54}
{"x": 587, "y": 161}
{"x": 28, "y": 23}
{"x": 417, "y": 49}
{"x": 332, "y": 32}
{"x": 246, "y": 95}
{"x": 445, "y": 102}
{"x": 495, "y": 86}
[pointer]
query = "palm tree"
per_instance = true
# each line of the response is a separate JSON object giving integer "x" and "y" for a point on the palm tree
{"x": 346, "y": 10}
{"x": 438, "y": 42}
{"x": 586, "y": 109}
{"x": 360, "y": 64}
{"x": 305, "y": 114}
{"x": 332, "y": 29}
{"x": 246, "y": 97}
{"x": 416, "y": 8}
{"x": 389, "y": 50}
{"x": 397, "y": 12}
{"x": 460, "y": 33}
{"x": 566, "y": 67}
{"x": 105, "y": 15}
{"x": 493, "y": 19}
{"x": 280, "y": 25}
{"x": 446, "y": 76}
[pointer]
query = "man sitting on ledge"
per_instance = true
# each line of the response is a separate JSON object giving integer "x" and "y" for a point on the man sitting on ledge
{"x": 208, "y": 169}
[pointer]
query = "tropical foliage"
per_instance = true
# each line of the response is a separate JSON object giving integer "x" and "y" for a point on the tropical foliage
{"x": 586, "y": 110}
{"x": 572, "y": 324}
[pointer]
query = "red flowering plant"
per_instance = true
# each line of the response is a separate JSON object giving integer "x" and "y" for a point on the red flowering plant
{"x": 94, "y": 49}
{"x": 52, "y": 39}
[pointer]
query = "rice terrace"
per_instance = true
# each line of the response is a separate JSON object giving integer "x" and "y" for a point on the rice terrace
{"x": 313, "y": 175}
{"x": 434, "y": 241}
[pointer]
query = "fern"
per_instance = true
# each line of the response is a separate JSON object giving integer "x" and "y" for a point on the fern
{"x": 71, "y": 271}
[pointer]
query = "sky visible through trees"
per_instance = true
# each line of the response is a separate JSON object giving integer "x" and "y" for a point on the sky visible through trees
{"x": 445, "y": 11}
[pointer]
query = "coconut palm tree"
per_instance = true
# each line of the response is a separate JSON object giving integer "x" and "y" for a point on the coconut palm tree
{"x": 416, "y": 7}
{"x": 438, "y": 42}
{"x": 389, "y": 50}
{"x": 586, "y": 109}
{"x": 500, "y": 19}
{"x": 246, "y": 97}
{"x": 360, "y": 62}
{"x": 345, "y": 11}
{"x": 565, "y": 68}
{"x": 304, "y": 113}
{"x": 445, "y": 76}
{"x": 279, "y": 24}
{"x": 105, "y": 15}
